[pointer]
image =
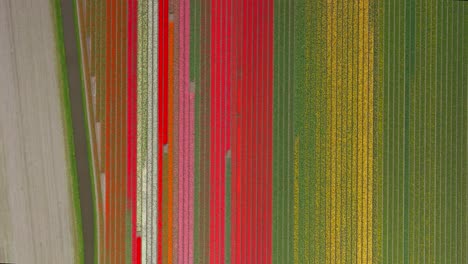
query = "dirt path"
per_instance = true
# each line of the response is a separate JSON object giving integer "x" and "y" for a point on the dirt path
{"x": 79, "y": 130}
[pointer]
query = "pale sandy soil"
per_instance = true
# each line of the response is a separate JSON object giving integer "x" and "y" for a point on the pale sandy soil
{"x": 36, "y": 221}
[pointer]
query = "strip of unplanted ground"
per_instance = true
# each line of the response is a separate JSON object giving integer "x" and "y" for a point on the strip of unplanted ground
{"x": 32, "y": 137}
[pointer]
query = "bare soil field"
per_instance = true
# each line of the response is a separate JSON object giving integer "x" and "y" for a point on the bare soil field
{"x": 36, "y": 214}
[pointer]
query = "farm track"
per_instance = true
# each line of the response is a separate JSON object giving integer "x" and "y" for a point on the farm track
{"x": 80, "y": 135}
